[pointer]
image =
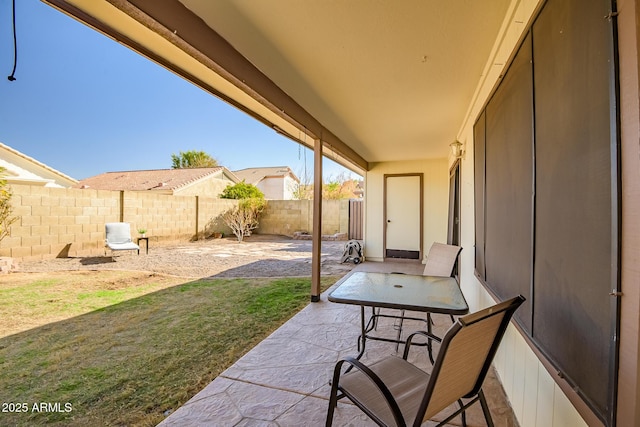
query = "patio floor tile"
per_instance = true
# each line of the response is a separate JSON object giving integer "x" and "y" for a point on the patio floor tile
{"x": 284, "y": 380}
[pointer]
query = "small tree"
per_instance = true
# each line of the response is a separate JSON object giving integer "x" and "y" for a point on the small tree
{"x": 6, "y": 210}
{"x": 341, "y": 187}
{"x": 304, "y": 189}
{"x": 192, "y": 159}
{"x": 243, "y": 218}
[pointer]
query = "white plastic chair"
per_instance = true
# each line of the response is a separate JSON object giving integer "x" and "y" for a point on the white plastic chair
{"x": 118, "y": 237}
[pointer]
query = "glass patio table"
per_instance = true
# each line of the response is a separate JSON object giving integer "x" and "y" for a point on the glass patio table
{"x": 428, "y": 294}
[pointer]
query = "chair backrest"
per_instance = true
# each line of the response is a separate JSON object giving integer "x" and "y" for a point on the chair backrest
{"x": 117, "y": 232}
{"x": 465, "y": 356}
{"x": 441, "y": 260}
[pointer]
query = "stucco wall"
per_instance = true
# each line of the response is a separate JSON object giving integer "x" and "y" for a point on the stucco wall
{"x": 290, "y": 186}
{"x": 273, "y": 188}
{"x": 436, "y": 189}
{"x": 278, "y": 188}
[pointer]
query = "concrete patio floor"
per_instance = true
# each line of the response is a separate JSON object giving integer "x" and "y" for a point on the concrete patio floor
{"x": 284, "y": 380}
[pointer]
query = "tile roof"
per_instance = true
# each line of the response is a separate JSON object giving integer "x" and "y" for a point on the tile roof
{"x": 158, "y": 179}
{"x": 255, "y": 175}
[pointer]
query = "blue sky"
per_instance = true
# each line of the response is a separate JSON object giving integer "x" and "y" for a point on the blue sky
{"x": 84, "y": 105}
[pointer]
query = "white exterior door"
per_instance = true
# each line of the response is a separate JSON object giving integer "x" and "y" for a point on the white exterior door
{"x": 403, "y": 202}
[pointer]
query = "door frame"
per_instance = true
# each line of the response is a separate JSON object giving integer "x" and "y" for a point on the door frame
{"x": 384, "y": 211}
{"x": 454, "y": 214}
{"x": 453, "y": 228}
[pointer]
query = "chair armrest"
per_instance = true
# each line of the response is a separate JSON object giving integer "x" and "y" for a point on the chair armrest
{"x": 408, "y": 343}
{"x": 375, "y": 379}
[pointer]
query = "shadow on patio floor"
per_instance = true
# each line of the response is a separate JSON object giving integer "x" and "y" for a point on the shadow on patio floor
{"x": 283, "y": 381}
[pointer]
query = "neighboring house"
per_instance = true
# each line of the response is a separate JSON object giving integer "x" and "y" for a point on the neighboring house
{"x": 22, "y": 169}
{"x": 277, "y": 183}
{"x": 209, "y": 182}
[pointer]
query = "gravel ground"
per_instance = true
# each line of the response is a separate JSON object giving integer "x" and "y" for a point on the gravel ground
{"x": 257, "y": 256}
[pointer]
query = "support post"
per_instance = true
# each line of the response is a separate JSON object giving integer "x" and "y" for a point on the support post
{"x": 316, "y": 247}
{"x": 121, "y": 206}
{"x": 198, "y": 218}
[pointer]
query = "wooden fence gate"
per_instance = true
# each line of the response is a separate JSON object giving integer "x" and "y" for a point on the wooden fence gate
{"x": 356, "y": 216}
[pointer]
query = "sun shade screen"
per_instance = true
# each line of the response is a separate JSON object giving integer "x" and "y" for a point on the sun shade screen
{"x": 546, "y": 210}
{"x": 573, "y": 272}
{"x": 479, "y": 203}
{"x": 509, "y": 183}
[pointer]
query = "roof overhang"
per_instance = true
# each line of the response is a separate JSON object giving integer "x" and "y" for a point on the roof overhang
{"x": 374, "y": 81}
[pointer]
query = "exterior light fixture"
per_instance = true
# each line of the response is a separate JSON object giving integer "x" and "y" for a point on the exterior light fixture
{"x": 456, "y": 149}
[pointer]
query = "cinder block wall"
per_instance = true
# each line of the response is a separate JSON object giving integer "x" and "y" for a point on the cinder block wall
{"x": 165, "y": 217}
{"x": 58, "y": 222}
{"x": 61, "y": 222}
{"x": 209, "y": 213}
{"x": 285, "y": 217}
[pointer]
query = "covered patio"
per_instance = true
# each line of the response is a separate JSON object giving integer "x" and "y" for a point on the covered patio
{"x": 538, "y": 100}
{"x": 284, "y": 380}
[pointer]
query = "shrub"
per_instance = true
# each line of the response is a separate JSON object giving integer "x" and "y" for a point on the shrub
{"x": 6, "y": 210}
{"x": 242, "y": 190}
{"x": 243, "y": 218}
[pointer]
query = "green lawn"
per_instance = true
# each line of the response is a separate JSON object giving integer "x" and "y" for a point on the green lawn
{"x": 123, "y": 348}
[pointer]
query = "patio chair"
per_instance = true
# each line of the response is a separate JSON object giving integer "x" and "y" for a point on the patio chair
{"x": 118, "y": 237}
{"x": 441, "y": 261}
{"x": 394, "y": 392}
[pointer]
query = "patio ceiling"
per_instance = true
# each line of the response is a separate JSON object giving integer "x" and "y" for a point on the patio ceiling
{"x": 375, "y": 80}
